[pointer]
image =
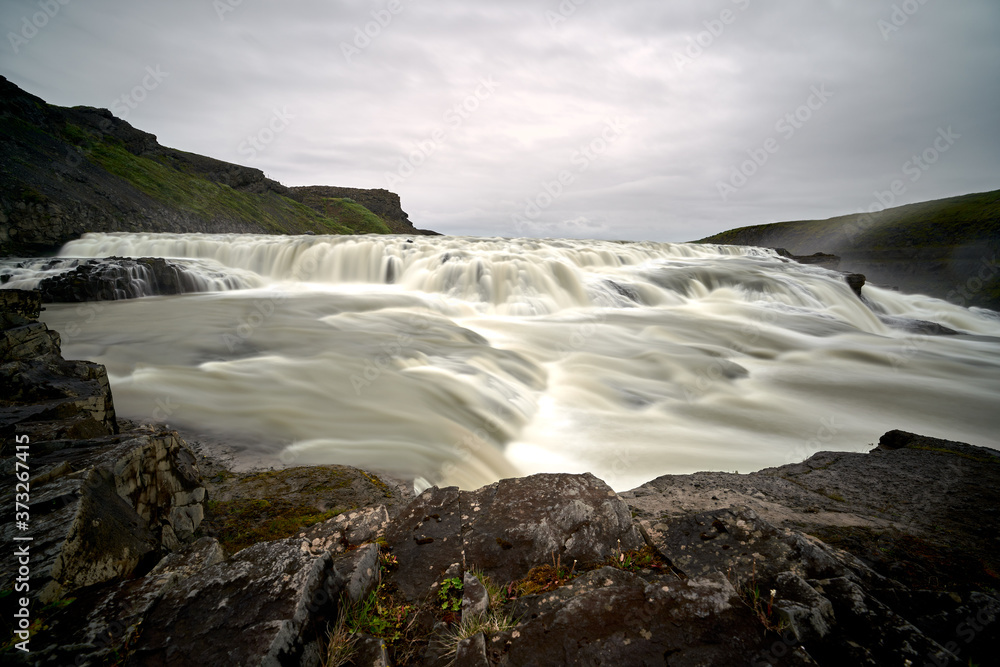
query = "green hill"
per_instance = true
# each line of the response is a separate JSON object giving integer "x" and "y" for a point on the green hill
{"x": 948, "y": 248}
{"x": 67, "y": 171}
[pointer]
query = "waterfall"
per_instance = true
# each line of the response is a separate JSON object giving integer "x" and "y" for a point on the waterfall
{"x": 464, "y": 360}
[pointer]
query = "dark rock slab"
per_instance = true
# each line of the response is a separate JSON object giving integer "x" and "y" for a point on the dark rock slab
{"x": 515, "y": 524}
{"x": 113, "y": 278}
{"x": 611, "y": 617}
{"x": 427, "y": 536}
{"x": 261, "y": 607}
{"x": 83, "y": 533}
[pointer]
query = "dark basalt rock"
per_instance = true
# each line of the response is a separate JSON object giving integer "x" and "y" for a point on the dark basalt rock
{"x": 855, "y": 281}
{"x": 515, "y": 524}
{"x": 115, "y": 278}
{"x": 42, "y": 394}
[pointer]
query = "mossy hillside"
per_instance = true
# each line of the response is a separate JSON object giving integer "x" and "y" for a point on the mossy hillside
{"x": 349, "y": 213}
{"x": 192, "y": 194}
{"x": 948, "y": 222}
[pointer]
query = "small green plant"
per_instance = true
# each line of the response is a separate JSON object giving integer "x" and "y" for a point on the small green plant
{"x": 635, "y": 560}
{"x": 490, "y": 623}
{"x": 497, "y": 594}
{"x": 543, "y": 578}
{"x": 340, "y": 643}
{"x": 450, "y": 594}
{"x": 762, "y": 606}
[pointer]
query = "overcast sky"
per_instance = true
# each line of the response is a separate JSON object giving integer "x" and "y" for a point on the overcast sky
{"x": 660, "y": 120}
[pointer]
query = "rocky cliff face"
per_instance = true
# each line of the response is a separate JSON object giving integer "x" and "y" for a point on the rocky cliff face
{"x": 145, "y": 554}
{"x": 382, "y": 203}
{"x": 67, "y": 171}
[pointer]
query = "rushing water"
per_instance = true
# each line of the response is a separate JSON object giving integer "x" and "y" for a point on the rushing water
{"x": 464, "y": 360}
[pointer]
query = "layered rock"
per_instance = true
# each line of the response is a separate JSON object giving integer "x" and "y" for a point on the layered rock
{"x": 112, "y": 278}
{"x": 45, "y": 396}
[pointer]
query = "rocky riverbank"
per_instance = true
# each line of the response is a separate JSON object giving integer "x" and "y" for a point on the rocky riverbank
{"x": 146, "y": 551}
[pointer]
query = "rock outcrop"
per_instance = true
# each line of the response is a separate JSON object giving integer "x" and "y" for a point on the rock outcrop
{"x": 68, "y": 171}
{"x": 111, "y": 278}
{"x": 382, "y": 203}
{"x": 43, "y": 395}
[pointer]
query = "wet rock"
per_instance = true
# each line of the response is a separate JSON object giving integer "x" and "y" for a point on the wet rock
{"x": 855, "y": 281}
{"x": 112, "y": 278}
{"x": 42, "y": 395}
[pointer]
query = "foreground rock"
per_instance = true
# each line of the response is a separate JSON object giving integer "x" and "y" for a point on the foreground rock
{"x": 41, "y": 393}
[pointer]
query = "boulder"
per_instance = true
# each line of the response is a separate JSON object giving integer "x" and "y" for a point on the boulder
{"x": 113, "y": 278}
{"x": 267, "y": 605}
{"x": 509, "y": 527}
{"x": 515, "y": 524}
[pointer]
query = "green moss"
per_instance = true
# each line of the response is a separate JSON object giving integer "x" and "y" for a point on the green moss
{"x": 243, "y": 522}
{"x": 378, "y": 483}
{"x": 76, "y": 134}
{"x": 204, "y": 198}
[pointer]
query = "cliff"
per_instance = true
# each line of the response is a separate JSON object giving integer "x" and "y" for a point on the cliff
{"x": 948, "y": 248}
{"x": 144, "y": 551}
{"x": 67, "y": 171}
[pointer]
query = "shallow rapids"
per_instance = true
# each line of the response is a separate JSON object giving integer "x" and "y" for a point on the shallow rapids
{"x": 464, "y": 360}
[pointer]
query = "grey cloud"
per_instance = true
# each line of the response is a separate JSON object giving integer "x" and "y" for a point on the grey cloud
{"x": 692, "y": 114}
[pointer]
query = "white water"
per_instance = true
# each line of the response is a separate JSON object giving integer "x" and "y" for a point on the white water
{"x": 464, "y": 360}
